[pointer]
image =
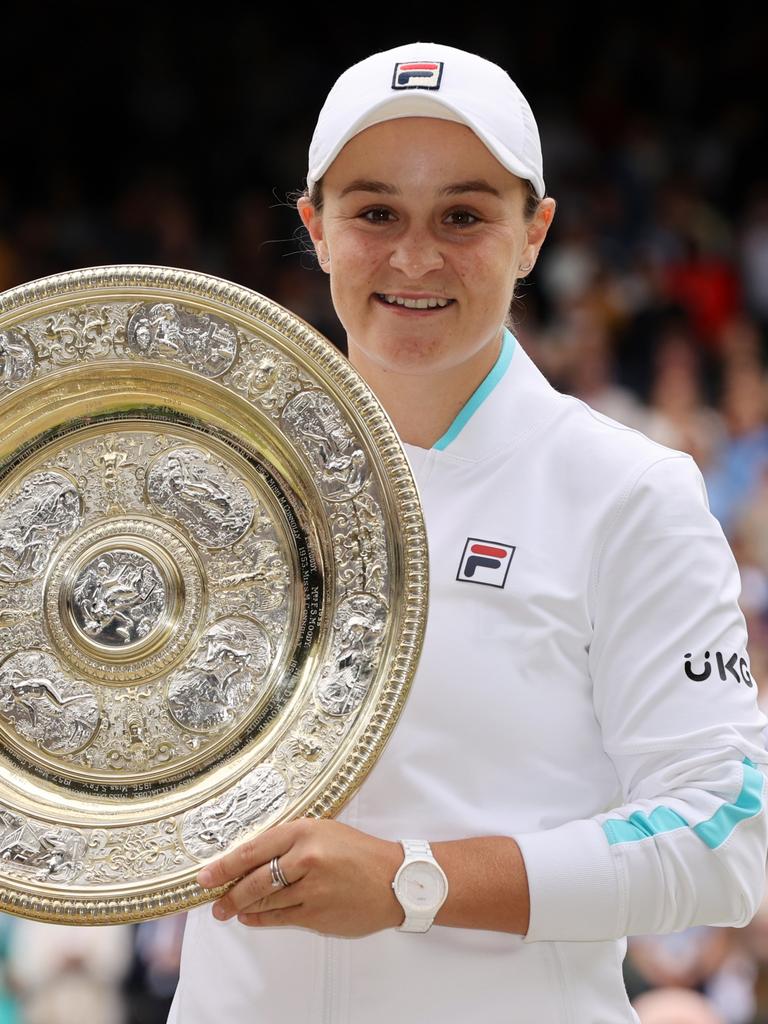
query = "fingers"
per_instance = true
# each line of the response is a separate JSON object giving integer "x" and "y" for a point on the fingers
{"x": 287, "y": 916}
{"x": 283, "y": 899}
{"x": 256, "y": 888}
{"x": 273, "y": 843}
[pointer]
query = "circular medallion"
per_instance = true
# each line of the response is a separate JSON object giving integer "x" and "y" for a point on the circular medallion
{"x": 213, "y": 584}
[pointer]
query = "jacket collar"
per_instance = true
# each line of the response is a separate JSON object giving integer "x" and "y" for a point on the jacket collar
{"x": 513, "y": 401}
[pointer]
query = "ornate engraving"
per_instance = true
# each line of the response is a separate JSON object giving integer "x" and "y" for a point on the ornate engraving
{"x": 203, "y": 495}
{"x": 307, "y": 749}
{"x": 199, "y": 340}
{"x": 43, "y": 509}
{"x": 128, "y": 597}
{"x": 72, "y": 336}
{"x": 267, "y": 377}
{"x": 222, "y": 682}
{"x": 17, "y": 360}
{"x": 133, "y": 854}
{"x": 118, "y": 597}
{"x": 316, "y": 423}
{"x": 217, "y": 824}
{"x": 43, "y": 853}
{"x": 358, "y": 631}
{"x": 43, "y": 706}
{"x": 257, "y": 577}
{"x": 359, "y": 543}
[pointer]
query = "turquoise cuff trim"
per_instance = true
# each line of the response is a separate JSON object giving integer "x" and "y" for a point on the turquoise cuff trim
{"x": 712, "y": 832}
{"x": 640, "y": 825}
{"x": 482, "y": 391}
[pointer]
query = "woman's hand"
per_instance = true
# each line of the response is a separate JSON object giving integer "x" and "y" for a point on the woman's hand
{"x": 340, "y": 879}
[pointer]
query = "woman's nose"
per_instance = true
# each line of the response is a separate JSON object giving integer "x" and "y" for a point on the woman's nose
{"x": 416, "y": 253}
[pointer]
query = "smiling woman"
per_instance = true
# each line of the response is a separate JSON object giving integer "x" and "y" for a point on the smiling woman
{"x": 423, "y": 233}
{"x": 568, "y": 782}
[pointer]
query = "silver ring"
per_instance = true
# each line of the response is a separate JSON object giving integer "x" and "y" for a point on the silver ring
{"x": 279, "y": 881}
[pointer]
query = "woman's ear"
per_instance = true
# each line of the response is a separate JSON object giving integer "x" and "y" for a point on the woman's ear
{"x": 537, "y": 230}
{"x": 313, "y": 222}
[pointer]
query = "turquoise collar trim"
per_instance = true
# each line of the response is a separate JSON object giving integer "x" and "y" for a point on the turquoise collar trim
{"x": 480, "y": 394}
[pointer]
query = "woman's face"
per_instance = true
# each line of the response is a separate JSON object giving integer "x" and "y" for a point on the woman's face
{"x": 419, "y": 209}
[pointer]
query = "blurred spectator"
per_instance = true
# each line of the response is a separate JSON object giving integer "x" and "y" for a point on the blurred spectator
{"x": 736, "y": 470}
{"x": 754, "y": 256}
{"x": 156, "y": 969}
{"x": 678, "y": 416}
{"x": 8, "y": 1005}
{"x": 69, "y": 974}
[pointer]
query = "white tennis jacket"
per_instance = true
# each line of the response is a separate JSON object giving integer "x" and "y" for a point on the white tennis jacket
{"x": 584, "y": 687}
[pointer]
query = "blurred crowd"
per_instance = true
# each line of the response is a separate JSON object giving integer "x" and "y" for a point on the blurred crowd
{"x": 649, "y": 302}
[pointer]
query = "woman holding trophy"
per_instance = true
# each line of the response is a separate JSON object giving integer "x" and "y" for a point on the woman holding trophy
{"x": 580, "y": 758}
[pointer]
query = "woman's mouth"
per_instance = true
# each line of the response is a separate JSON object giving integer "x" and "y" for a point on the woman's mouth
{"x": 428, "y": 303}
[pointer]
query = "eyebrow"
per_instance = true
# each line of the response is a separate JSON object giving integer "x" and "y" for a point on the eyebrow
{"x": 456, "y": 189}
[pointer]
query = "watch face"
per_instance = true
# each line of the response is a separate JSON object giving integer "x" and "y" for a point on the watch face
{"x": 421, "y": 886}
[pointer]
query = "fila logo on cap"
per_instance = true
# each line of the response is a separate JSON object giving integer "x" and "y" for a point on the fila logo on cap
{"x": 419, "y": 74}
{"x": 486, "y": 562}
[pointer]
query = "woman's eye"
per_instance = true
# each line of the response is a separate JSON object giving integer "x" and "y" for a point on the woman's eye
{"x": 379, "y": 215}
{"x": 463, "y": 218}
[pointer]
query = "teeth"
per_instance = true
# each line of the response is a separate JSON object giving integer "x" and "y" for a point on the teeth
{"x": 415, "y": 303}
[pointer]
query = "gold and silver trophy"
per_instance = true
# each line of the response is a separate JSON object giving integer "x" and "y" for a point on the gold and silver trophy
{"x": 213, "y": 584}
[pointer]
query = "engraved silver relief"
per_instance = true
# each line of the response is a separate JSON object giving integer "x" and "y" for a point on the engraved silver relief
{"x": 267, "y": 377}
{"x": 205, "y": 496}
{"x": 31, "y": 849}
{"x": 17, "y": 360}
{"x": 199, "y": 340}
{"x": 147, "y": 851}
{"x": 217, "y": 824}
{"x": 45, "y": 707}
{"x": 316, "y": 423}
{"x": 358, "y": 627}
{"x": 232, "y": 660}
{"x": 118, "y": 597}
{"x": 44, "y": 508}
{"x": 301, "y": 756}
{"x": 175, "y": 609}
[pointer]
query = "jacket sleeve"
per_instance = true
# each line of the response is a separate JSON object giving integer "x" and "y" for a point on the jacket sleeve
{"x": 677, "y": 707}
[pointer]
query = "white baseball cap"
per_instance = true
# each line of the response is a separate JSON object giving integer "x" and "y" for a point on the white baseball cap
{"x": 430, "y": 80}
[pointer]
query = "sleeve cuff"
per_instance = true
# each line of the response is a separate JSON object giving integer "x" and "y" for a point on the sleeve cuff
{"x": 575, "y": 891}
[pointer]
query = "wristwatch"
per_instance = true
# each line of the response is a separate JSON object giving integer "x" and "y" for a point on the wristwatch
{"x": 420, "y": 885}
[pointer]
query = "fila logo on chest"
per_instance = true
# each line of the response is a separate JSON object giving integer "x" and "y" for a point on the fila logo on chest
{"x": 485, "y": 561}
